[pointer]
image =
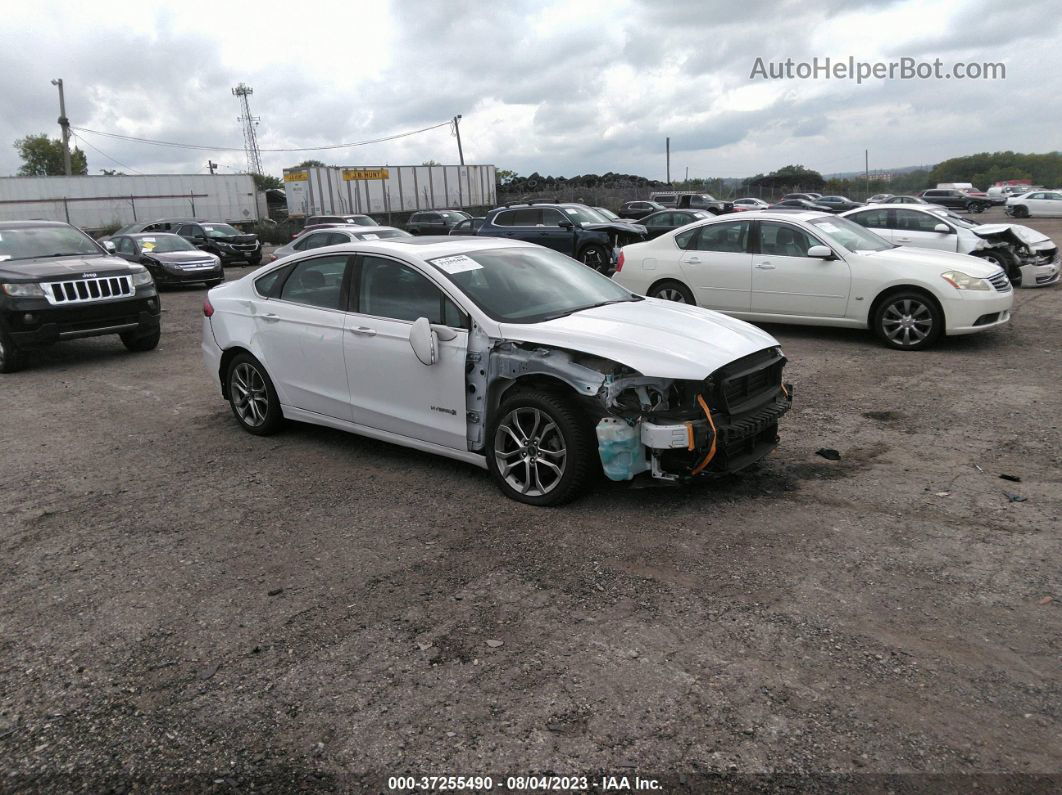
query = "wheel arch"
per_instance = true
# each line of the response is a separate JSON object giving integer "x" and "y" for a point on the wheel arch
{"x": 226, "y": 359}
{"x": 903, "y": 288}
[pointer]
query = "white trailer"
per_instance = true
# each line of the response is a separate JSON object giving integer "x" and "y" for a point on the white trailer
{"x": 98, "y": 202}
{"x": 330, "y": 190}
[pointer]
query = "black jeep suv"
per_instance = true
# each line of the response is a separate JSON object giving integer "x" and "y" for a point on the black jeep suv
{"x": 956, "y": 200}
{"x": 57, "y": 283}
{"x": 573, "y": 229}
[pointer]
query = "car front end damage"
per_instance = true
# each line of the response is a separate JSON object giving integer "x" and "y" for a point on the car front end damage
{"x": 615, "y": 236}
{"x": 1036, "y": 257}
{"x": 674, "y": 429}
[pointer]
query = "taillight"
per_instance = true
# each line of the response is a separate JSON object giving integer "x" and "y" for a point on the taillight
{"x": 208, "y": 308}
{"x": 619, "y": 261}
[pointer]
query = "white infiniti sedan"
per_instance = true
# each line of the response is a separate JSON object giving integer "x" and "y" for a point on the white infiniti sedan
{"x": 804, "y": 267}
{"x": 499, "y": 353}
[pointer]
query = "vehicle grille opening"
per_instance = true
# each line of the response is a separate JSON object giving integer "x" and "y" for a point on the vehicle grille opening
{"x": 79, "y": 291}
{"x": 1000, "y": 281}
{"x": 984, "y": 320}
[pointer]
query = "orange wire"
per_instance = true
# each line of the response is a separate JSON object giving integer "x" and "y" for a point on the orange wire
{"x": 711, "y": 451}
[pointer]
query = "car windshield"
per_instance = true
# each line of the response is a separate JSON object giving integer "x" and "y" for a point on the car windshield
{"x": 584, "y": 215}
{"x": 453, "y": 216}
{"x": 850, "y": 234}
{"x": 45, "y": 241}
{"x": 529, "y": 284}
{"x": 611, "y": 216}
{"x": 219, "y": 230}
{"x": 360, "y": 220}
{"x": 955, "y": 219}
{"x": 163, "y": 244}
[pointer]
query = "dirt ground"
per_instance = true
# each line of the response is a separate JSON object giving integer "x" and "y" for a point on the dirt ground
{"x": 184, "y": 605}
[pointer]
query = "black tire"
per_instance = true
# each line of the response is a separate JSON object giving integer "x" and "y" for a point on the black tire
{"x": 561, "y": 438}
{"x": 253, "y": 399}
{"x": 908, "y": 320}
{"x": 12, "y": 359}
{"x": 1021, "y": 211}
{"x": 139, "y": 342}
{"x": 254, "y": 263}
{"x": 1004, "y": 259}
{"x": 671, "y": 290}
{"x": 596, "y": 257}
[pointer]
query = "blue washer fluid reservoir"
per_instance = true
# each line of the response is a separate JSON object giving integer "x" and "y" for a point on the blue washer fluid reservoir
{"x": 621, "y": 449}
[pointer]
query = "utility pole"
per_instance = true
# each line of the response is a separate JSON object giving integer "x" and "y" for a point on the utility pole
{"x": 866, "y": 167}
{"x": 64, "y": 125}
{"x": 211, "y": 165}
{"x": 457, "y": 130}
{"x": 687, "y": 174}
{"x": 667, "y": 145}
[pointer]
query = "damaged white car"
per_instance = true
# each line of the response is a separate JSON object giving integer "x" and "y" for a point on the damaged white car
{"x": 1030, "y": 258}
{"x": 499, "y": 353}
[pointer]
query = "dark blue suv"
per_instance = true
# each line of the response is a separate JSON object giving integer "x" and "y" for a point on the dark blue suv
{"x": 573, "y": 229}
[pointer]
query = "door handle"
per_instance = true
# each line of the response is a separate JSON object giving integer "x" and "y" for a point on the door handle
{"x": 765, "y": 266}
{"x": 693, "y": 260}
{"x": 271, "y": 317}
{"x": 364, "y": 330}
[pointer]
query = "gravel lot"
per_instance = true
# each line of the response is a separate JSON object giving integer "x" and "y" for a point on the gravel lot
{"x": 185, "y": 605}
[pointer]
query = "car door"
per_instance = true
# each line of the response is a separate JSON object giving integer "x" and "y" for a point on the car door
{"x": 657, "y": 223}
{"x": 1051, "y": 203}
{"x": 717, "y": 265}
{"x": 126, "y": 248}
{"x": 390, "y": 389}
{"x": 552, "y": 234}
{"x": 524, "y": 224}
{"x": 196, "y": 235}
{"x": 786, "y": 281}
{"x": 301, "y": 332}
{"x": 916, "y": 228}
{"x": 876, "y": 220}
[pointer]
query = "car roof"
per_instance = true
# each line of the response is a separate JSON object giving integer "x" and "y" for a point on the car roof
{"x": 778, "y": 214}
{"x": 149, "y": 234}
{"x": 27, "y": 224}
{"x": 431, "y": 246}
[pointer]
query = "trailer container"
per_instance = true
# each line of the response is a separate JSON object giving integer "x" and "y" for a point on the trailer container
{"x": 330, "y": 190}
{"x": 98, "y": 202}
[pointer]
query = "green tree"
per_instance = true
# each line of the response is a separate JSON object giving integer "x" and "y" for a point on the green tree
{"x": 43, "y": 157}
{"x": 431, "y": 163}
{"x": 266, "y": 182}
{"x": 111, "y": 172}
{"x": 310, "y": 164}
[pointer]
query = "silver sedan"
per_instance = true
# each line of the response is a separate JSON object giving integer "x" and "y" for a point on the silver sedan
{"x": 334, "y": 236}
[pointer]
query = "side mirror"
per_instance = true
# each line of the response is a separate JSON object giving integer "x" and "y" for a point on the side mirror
{"x": 821, "y": 252}
{"x": 944, "y": 229}
{"x": 108, "y": 246}
{"x": 424, "y": 341}
{"x": 566, "y": 225}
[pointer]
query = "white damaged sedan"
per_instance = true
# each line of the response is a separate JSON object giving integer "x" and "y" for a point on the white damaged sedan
{"x": 502, "y": 354}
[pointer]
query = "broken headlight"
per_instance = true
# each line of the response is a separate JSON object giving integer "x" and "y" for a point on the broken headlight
{"x": 964, "y": 281}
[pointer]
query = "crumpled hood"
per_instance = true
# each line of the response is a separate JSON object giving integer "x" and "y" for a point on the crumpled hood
{"x": 618, "y": 226}
{"x": 660, "y": 339}
{"x": 63, "y": 268}
{"x": 912, "y": 257}
{"x": 236, "y": 239}
{"x": 1014, "y": 233}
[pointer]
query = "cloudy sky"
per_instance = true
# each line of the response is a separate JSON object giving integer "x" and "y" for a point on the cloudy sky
{"x": 561, "y": 88}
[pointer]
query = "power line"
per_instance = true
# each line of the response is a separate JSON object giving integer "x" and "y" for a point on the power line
{"x": 100, "y": 151}
{"x": 175, "y": 145}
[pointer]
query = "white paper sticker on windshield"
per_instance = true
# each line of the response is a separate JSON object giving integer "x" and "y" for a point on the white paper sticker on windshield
{"x": 456, "y": 264}
{"x": 4, "y": 257}
{"x": 827, "y": 227}
{"x": 370, "y": 236}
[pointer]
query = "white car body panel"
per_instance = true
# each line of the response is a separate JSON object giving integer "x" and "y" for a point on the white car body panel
{"x": 817, "y": 300}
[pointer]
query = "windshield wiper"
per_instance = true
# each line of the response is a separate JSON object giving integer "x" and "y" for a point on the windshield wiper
{"x": 572, "y": 311}
{"x": 66, "y": 254}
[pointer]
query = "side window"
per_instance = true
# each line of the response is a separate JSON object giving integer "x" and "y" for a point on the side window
{"x": 529, "y": 217}
{"x": 783, "y": 240}
{"x": 504, "y": 219}
{"x": 336, "y": 239}
{"x": 269, "y": 284}
{"x": 732, "y": 237}
{"x": 871, "y": 219}
{"x": 316, "y": 282}
{"x": 683, "y": 239}
{"x": 126, "y": 246}
{"x": 393, "y": 290}
{"x": 659, "y": 220}
{"x": 551, "y": 217}
{"x": 312, "y": 240}
{"x": 914, "y": 221}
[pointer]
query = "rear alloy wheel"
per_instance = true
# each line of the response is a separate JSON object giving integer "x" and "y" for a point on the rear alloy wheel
{"x": 253, "y": 399}
{"x": 595, "y": 257}
{"x": 1021, "y": 211}
{"x": 908, "y": 321}
{"x": 672, "y": 291}
{"x": 11, "y": 358}
{"x": 541, "y": 449}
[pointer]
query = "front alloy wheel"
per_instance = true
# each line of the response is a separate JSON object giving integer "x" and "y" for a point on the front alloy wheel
{"x": 541, "y": 448}
{"x": 252, "y": 397}
{"x": 595, "y": 257}
{"x": 908, "y": 321}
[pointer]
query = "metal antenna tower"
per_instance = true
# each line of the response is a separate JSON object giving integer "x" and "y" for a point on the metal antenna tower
{"x": 249, "y": 122}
